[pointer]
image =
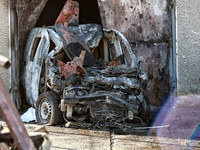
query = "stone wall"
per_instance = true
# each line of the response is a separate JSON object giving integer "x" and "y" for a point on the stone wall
{"x": 188, "y": 46}
{"x": 4, "y": 38}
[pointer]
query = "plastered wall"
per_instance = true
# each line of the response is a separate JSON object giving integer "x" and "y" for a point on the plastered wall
{"x": 4, "y": 38}
{"x": 188, "y": 46}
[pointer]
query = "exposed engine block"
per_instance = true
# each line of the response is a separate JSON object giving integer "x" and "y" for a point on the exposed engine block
{"x": 105, "y": 93}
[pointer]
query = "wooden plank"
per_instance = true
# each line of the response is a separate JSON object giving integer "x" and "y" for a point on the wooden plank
{"x": 66, "y": 138}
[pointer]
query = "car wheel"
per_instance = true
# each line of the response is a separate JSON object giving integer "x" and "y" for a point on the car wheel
{"x": 47, "y": 109}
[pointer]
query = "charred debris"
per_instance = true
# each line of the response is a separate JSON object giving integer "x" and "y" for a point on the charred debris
{"x": 92, "y": 72}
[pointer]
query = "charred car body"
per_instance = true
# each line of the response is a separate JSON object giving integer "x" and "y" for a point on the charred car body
{"x": 82, "y": 73}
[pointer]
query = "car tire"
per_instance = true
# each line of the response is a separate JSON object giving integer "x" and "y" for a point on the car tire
{"x": 47, "y": 109}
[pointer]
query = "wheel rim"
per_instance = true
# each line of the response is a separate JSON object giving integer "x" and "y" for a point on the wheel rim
{"x": 45, "y": 110}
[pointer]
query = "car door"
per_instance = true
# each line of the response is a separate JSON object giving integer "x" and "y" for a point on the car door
{"x": 37, "y": 52}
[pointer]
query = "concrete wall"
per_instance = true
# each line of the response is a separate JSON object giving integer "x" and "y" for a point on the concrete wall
{"x": 188, "y": 46}
{"x": 4, "y": 38}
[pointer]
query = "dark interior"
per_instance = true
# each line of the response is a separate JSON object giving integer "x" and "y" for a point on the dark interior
{"x": 89, "y": 12}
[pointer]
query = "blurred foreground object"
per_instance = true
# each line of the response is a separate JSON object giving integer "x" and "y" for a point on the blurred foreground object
{"x": 17, "y": 132}
{"x": 38, "y": 136}
{"x": 4, "y": 62}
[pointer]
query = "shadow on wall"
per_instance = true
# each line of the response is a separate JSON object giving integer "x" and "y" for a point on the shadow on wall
{"x": 89, "y": 12}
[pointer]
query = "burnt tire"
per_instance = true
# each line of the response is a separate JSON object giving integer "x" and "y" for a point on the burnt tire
{"x": 47, "y": 109}
{"x": 145, "y": 109}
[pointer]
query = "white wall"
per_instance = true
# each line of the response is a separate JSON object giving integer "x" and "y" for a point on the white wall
{"x": 4, "y": 38}
{"x": 188, "y": 46}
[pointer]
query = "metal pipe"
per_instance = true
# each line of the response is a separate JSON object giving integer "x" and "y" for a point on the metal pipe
{"x": 173, "y": 50}
{"x": 14, "y": 53}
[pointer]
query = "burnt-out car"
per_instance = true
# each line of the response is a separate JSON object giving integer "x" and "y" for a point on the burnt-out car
{"x": 82, "y": 73}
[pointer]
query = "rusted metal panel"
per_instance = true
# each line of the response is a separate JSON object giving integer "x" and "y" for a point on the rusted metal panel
{"x": 69, "y": 14}
{"x": 74, "y": 67}
{"x": 68, "y": 69}
{"x": 142, "y": 20}
{"x": 153, "y": 59}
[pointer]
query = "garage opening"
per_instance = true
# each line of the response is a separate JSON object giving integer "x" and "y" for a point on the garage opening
{"x": 89, "y": 12}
